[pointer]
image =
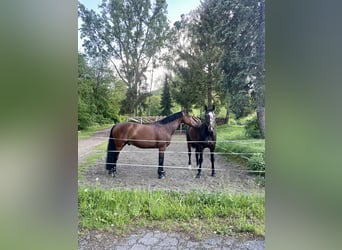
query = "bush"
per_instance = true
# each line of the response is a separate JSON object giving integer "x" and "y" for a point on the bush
{"x": 252, "y": 128}
{"x": 257, "y": 163}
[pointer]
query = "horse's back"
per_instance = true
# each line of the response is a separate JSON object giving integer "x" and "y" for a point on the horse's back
{"x": 141, "y": 135}
{"x": 200, "y": 137}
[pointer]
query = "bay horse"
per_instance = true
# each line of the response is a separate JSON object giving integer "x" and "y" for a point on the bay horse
{"x": 203, "y": 137}
{"x": 154, "y": 135}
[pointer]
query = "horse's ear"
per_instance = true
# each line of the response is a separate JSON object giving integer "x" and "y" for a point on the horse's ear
{"x": 205, "y": 108}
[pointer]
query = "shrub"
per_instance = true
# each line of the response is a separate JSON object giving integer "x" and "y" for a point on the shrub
{"x": 252, "y": 128}
{"x": 257, "y": 163}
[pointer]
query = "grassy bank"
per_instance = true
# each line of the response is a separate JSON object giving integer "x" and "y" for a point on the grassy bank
{"x": 197, "y": 213}
{"x": 237, "y": 141}
{"x": 233, "y": 140}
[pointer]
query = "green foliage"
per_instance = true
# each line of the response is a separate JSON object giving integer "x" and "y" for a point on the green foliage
{"x": 154, "y": 105}
{"x": 252, "y": 129}
{"x": 129, "y": 34}
{"x": 195, "y": 61}
{"x": 119, "y": 209}
{"x": 257, "y": 162}
{"x": 95, "y": 96}
{"x": 241, "y": 34}
{"x": 85, "y": 118}
{"x": 166, "y": 102}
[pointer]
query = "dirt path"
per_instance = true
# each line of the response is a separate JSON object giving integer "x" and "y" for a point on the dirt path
{"x": 230, "y": 177}
{"x": 87, "y": 146}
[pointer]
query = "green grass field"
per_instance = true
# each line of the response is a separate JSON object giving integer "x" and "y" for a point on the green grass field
{"x": 232, "y": 139}
{"x": 197, "y": 213}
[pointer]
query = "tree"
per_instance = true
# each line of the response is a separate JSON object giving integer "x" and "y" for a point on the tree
{"x": 195, "y": 56}
{"x": 185, "y": 65}
{"x": 166, "y": 102}
{"x": 260, "y": 68}
{"x": 241, "y": 33}
{"x": 128, "y": 33}
{"x": 86, "y": 107}
{"x": 205, "y": 41}
{"x": 94, "y": 93}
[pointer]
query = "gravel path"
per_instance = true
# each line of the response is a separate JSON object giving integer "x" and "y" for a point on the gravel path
{"x": 230, "y": 177}
{"x": 159, "y": 240}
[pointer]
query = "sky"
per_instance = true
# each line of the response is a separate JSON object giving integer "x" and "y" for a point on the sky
{"x": 175, "y": 8}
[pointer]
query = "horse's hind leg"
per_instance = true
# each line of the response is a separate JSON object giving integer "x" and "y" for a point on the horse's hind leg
{"x": 112, "y": 171}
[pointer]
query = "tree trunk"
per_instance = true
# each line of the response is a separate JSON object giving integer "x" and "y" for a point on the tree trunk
{"x": 261, "y": 120}
{"x": 226, "y": 119}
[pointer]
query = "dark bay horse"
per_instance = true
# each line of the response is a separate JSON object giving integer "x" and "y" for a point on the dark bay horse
{"x": 154, "y": 135}
{"x": 203, "y": 137}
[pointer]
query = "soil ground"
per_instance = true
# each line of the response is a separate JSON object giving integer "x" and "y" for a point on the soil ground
{"x": 230, "y": 177}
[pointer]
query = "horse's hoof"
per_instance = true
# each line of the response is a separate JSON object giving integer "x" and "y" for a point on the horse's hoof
{"x": 113, "y": 174}
{"x": 161, "y": 175}
{"x": 198, "y": 175}
{"x": 213, "y": 174}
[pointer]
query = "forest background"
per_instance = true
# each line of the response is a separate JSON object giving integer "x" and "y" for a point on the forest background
{"x": 135, "y": 62}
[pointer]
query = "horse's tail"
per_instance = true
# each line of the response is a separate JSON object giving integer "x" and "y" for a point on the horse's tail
{"x": 110, "y": 151}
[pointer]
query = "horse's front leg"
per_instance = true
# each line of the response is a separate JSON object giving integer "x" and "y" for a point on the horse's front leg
{"x": 189, "y": 154}
{"x": 199, "y": 154}
{"x": 161, "y": 172}
{"x": 212, "y": 159}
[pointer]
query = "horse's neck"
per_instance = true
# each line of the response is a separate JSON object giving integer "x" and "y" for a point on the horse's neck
{"x": 172, "y": 126}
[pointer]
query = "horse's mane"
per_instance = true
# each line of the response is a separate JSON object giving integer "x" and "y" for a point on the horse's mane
{"x": 170, "y": 118}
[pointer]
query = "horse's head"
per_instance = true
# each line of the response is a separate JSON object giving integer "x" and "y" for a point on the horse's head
{"x": 190, "y": 120}
{"x": 210, "y": 118}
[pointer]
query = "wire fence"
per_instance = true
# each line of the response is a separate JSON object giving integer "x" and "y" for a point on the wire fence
{"x": 261, "y": 141}
{"x": 181, "y": 167}
{"x": 240, "y": 154}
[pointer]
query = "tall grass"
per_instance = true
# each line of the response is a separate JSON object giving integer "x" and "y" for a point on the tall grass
{"x": 223, "y": 213}
{"x": 233, "y": 140}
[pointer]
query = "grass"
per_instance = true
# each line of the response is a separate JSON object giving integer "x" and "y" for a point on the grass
{"x": 91, "y": 130}
{"x": 196, "y": 213}
{"x": 238, "y": 142}
{"x": 92, "y": 159}
{"x": 250, "y": 151}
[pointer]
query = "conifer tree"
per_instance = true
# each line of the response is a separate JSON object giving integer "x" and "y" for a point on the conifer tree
{"x": 166, "y": 102}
